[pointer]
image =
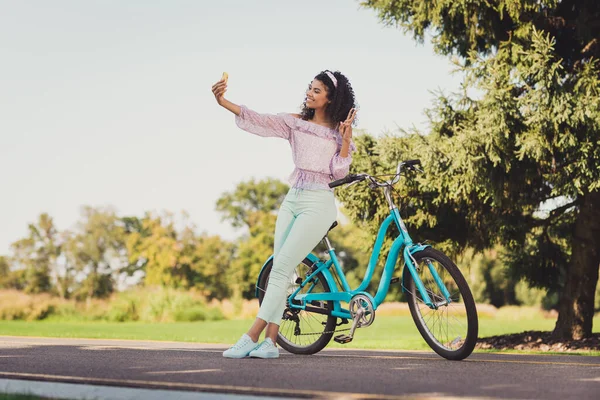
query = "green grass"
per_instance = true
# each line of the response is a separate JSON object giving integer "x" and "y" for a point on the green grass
{"x": 387, "y": 332}
{"x": 207, "y": 331}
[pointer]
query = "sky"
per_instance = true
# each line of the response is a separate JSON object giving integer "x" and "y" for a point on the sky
{"x": 107, "y": 103}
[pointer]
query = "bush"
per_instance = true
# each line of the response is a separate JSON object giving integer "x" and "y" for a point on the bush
{"x": 16, "y": 305}
{"x": 167, "y": 305}
{"x": 529, "y": 296}
{"x": 198, "y": 313}
{"x": 123, "y": 307}
{"x": 66, "y": 311}
{"x": 139, "y": 304}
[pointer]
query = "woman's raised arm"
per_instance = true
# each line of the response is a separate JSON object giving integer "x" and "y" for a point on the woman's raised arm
{"x": 266, "y": 125}
{"x": 219, "y": 90}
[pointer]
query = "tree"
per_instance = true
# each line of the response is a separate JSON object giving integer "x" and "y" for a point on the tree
{"x": 38, "y": 254}
{"x": 240, "y": 206}
{"x": 96, "y": 250}
{"x": 178, "y": 258}
{"x": 154, "y": 248}
{"x": 209, "y": 260}
{"x": 521, "y": 164}
{"x": 10, "y": 279}
{"x": 489, "y": 278}
{"x": 4, "y": 266}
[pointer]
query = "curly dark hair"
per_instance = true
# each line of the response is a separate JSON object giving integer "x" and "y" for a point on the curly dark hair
{"x": 341, "y": 97}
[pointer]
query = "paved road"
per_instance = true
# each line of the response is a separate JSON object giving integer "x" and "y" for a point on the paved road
{"x": 331, "y": 373}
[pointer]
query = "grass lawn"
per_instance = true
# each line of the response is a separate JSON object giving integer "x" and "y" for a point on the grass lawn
{"x": 387, "y": 332}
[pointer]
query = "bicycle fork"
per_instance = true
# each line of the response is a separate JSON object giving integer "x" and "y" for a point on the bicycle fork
{"x": 411, "y": 264}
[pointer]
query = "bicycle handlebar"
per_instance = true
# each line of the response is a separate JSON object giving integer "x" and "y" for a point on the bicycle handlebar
{"x": 412, "y": 163}
{"x": 347, "y": 179}
{"x": 360, "y": 177}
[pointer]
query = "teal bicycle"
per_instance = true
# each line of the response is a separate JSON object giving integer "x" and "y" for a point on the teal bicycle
{"x": 439, "y": 298}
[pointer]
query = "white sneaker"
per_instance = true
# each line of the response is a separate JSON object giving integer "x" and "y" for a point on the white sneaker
{"x": 265, "y": 350}
{"x": 241, "y": 349}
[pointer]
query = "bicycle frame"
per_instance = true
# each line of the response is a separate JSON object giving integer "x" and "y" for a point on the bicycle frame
{"x": 402, "y": 244}
{"x": 403, "y": 241}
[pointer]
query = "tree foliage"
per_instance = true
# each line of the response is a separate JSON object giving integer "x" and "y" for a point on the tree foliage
{"x": 37, "y": 256}
{"x": 95, "y": 250}
{"x": 240, "y": 206}
{"x": 519, "y": 163}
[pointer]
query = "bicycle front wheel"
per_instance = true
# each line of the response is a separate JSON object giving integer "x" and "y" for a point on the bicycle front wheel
{"x": 450, "y": 328}
{"x": 301, "y": 331}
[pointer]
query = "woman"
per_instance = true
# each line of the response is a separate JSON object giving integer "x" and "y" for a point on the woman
{"x": 321, "y": 141}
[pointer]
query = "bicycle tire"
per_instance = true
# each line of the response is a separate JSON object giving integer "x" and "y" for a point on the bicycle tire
{"x": 462, "y": 302}
{"x": 286, "y": 342}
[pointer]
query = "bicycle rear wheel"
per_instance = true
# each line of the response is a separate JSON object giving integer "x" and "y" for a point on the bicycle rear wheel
{"x": 300, "y": 331}
{"x": 450, "y": 329}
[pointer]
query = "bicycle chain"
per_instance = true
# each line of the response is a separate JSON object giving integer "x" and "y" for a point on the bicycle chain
{"x": 322, "y": 333}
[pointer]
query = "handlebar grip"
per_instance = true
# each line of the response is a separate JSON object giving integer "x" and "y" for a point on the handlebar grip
{"x": 411, "y": 163}
{"x": 346, "y": 179}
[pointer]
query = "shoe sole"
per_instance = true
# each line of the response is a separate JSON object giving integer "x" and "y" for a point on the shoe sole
{"x": 236, "y": 357}
{"x": 263, "y": 356}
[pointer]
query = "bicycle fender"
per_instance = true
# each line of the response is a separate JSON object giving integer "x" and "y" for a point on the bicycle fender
{"x": 412, "y": 250}
{"x": 417, "y": 247}
{"x": 260, "y": 274}
{"x": 314, "y": 259}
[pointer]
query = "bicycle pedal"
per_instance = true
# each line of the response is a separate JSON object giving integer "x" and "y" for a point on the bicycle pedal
{"x": 343, "y": 339}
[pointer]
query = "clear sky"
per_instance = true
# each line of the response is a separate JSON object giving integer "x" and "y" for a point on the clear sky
{"x": 108, "y": 102}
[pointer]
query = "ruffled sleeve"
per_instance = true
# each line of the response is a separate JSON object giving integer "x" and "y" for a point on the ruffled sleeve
{"x": 340, "y": 166}
{"x": 266, "y": 125}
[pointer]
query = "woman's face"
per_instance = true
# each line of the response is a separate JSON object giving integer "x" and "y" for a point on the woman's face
{"x": 316, "y": 95}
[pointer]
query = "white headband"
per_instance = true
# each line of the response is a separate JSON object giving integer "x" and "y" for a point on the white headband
{"x": 330, "y": 75}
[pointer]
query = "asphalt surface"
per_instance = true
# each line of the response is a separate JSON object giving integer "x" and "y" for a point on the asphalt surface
{"x": 328, "y": 374}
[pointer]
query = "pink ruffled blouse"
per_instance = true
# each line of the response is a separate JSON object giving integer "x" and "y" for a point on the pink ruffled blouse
{"x": 315, "y": 148}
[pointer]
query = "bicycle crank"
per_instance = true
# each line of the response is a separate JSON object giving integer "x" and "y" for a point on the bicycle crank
{"x": 363, "y": 315}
